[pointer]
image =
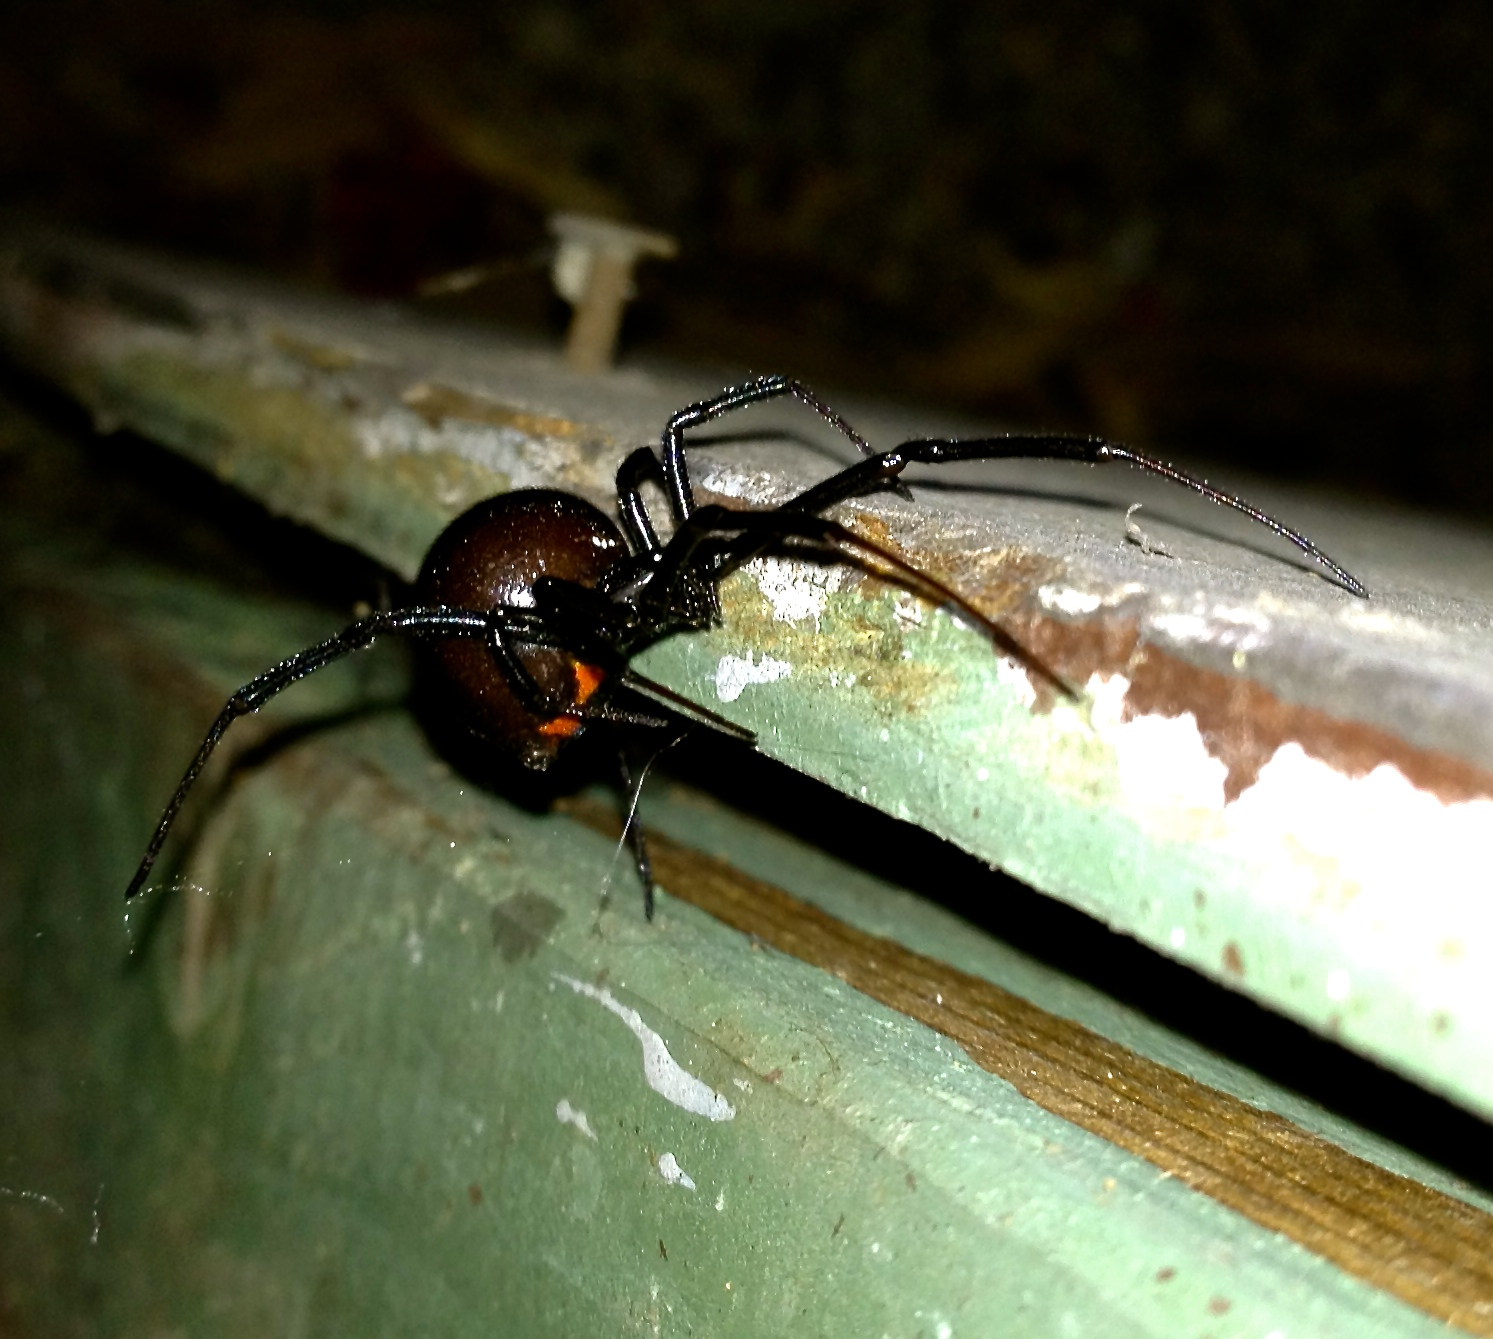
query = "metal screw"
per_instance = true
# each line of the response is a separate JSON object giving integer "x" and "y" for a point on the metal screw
{"x": 592, "y": 271}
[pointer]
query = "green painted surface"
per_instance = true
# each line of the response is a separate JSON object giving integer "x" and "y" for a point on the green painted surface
{"x": 1354, "y": 904}
{"x": 366, "y": 1066}
{"x": 931, "y": 728}
{"x": 350, "y": 1119}
{"x": 301, "y": 457}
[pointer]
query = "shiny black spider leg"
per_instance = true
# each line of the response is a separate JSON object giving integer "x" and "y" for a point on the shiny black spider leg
{"x": 687, "y": 707}
{"x": 535, "y": 698}
{"x": 676, "y": 473}
{"x": 433, "y": 622}
{"x": 640, "y": 467}
{"x": 869, "y": 476}
{"x": 571, "y": 619}
{"x": 632, "y": 830}
{"x": 671, "y": 474}
{"x": 755, "y": 531}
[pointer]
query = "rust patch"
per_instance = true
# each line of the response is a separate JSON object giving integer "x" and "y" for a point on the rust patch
{"x": 1219, "y": 1306}
{"x": 997, "y": 581}
{"x": 1425, "y": 1247}
{"x": 1165, "y": 1274}
{"x": 873, "y": 634}
{"x": 1242, "y": 723}
{"x": 435, "y": 403}
{"x": 1233, "y": 960}
{"x": 869, "y": 643}
{"x": 474, "y": 1193}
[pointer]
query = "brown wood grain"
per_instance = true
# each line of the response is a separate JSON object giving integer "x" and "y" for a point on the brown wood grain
{"x": 1425, "y": 1247}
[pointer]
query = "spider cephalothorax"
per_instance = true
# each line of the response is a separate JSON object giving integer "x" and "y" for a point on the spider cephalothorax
{"x": 532, "y": 604}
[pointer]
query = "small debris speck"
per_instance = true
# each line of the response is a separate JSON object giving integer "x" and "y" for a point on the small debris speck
{"x": 1135, "y": 535}
{"x": 673, "y": 1173}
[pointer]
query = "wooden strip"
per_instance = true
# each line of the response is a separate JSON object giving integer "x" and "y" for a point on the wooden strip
{"x": 1425, "y": 1247}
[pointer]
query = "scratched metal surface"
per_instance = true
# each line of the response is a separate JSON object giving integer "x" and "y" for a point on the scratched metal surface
{"x": 1283, "y": 786}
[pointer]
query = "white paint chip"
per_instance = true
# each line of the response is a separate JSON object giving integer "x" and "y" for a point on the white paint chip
{"x": 1380, "y": 831}
{"x": 673, "y": 1173}
{"x": 569, "y": 1115}
{"x": 909, "y": 609}
{"x": 661, "y": 1071}
{"x": 1164, "y": 766}
{"x": 1066, "y": 600}
{"x": 734, "y": 674}
{"x": 1363, "y": 838}
{"x": 796, "y": 591}
{"x": 1010, "y": 674}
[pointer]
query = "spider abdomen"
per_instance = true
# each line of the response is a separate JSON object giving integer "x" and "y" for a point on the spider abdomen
{"x": 490, "y": 557}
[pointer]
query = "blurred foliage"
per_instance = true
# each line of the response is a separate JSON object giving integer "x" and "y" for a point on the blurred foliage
{"x": 1255, "y": 231}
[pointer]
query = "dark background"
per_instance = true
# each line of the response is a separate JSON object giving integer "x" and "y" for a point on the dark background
{"x": 1255, "y": 232}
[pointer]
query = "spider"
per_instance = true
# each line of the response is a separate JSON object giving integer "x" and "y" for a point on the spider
{"x": 533, "y": 603}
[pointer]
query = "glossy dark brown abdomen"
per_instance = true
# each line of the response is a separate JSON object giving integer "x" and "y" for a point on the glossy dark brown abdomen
{"x": 490, "y": 556}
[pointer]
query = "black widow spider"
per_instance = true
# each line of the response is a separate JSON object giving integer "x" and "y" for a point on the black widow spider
{"x": 534, "y": 603}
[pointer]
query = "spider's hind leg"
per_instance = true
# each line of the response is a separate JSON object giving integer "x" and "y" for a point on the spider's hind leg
{"x": 632, "y": 829}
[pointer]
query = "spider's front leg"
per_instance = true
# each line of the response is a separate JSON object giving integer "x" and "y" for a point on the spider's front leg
{"x": 433, "y": 622}
{"x": 676, "y": 472}
{"x": 670, "y": 471}
{"x": 878, "y": 472}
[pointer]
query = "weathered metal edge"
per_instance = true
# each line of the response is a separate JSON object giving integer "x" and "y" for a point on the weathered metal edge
{"x": 1266, "y": 842}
